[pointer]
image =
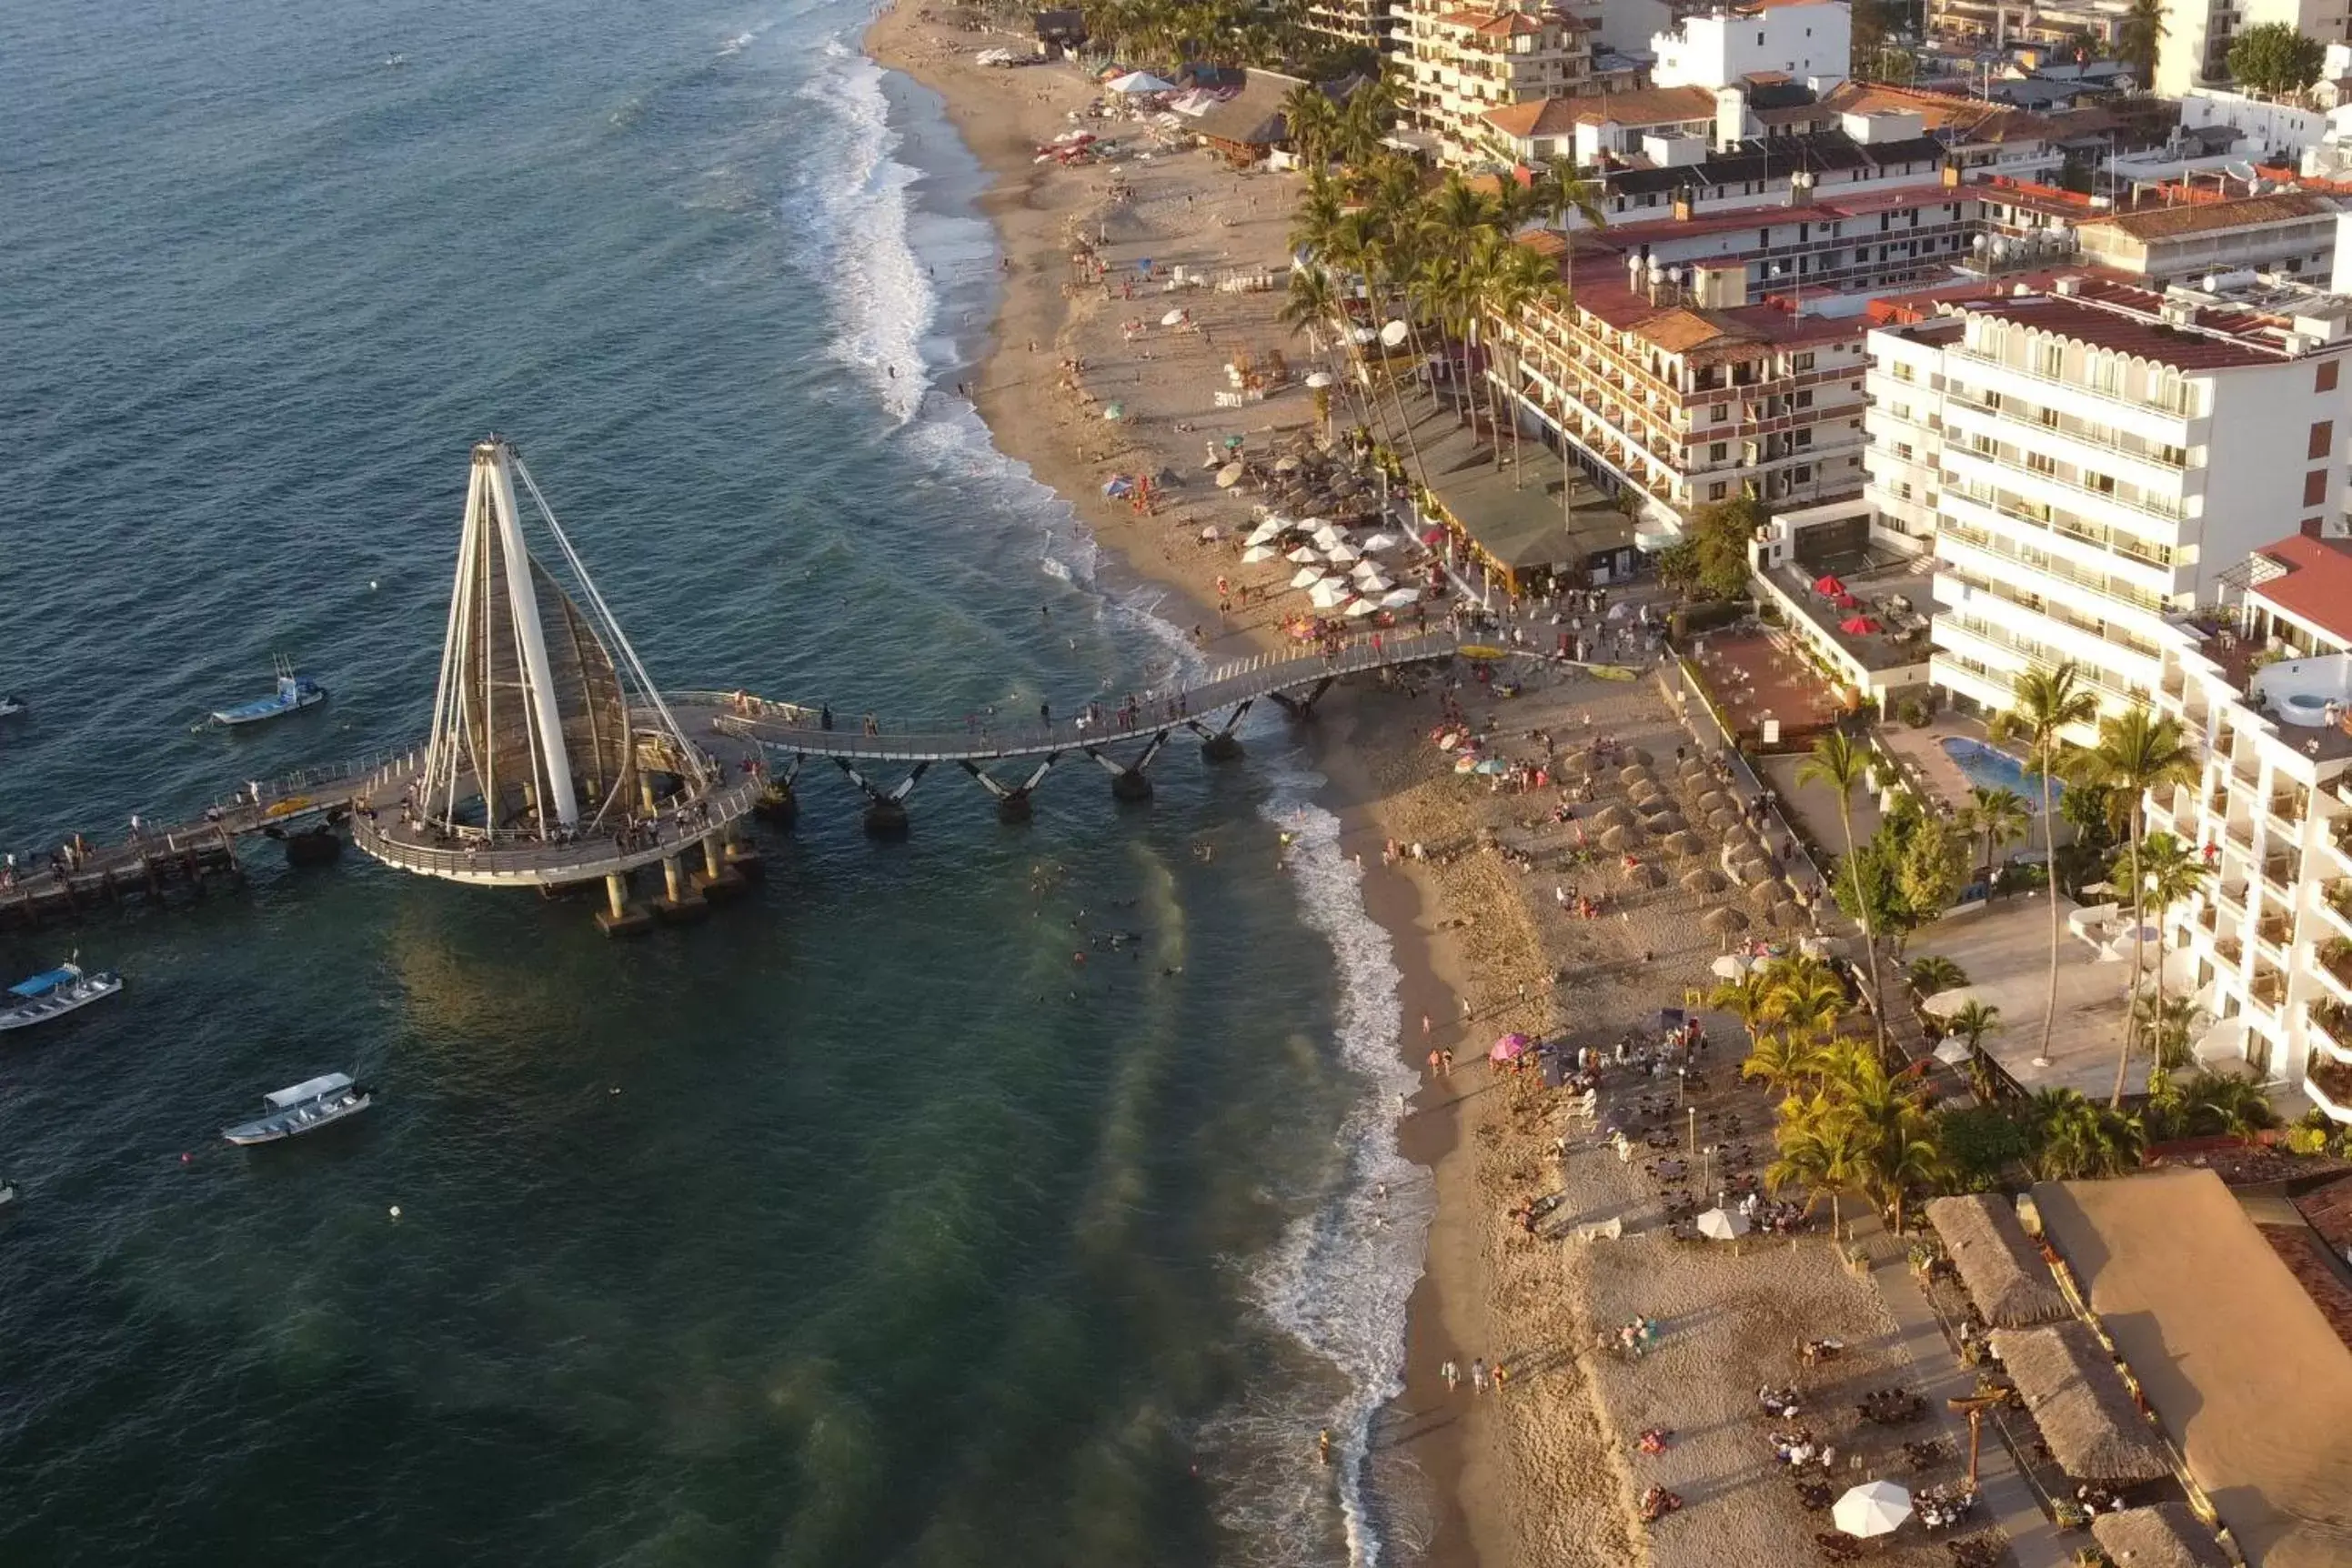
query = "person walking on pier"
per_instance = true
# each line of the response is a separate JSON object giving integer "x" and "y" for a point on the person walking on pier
{"x": 1046, "y": 716}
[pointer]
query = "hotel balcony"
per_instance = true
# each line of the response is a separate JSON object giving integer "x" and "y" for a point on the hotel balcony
{"x": 2329, "y": 1084}
{"x": 2268, "y": 990}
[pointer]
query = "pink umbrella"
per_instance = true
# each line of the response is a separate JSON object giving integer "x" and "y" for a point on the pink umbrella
{"x": 1509, "y": 1048}
{"x": 1857, "y": 626}
{"x": 1828, "y": 583}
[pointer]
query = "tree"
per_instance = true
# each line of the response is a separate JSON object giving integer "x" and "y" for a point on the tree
{"x": 1710, "y": 559}
{"x": 1932, "y": 867}
{"x": 2274, "y": 57}
{"x": 1932, "y": 974}
{"x": 1745, "y": 999}
{"x": 2226, "y": 1105}
{"x": 1972, "y": 1021}
{"x": 1979, "y": 1142}
{"x": 1312, "y": 121}
{"x": 2138, "y": 752}
{"x": 1817, "y": 1148}
{"x": 2074, "y": 1139}
{"x": 2139, "y": 39}
{"x": 1871, "y": 22}
{"x": 2044, "y": 705}
{"x": 2170, "y": 873}
{"x": 1893, "y": 1134}
{"x": 1838, "y": 764}
{"x": 2000, "y": 814}
{"x": 1805, "y": 1003}
{"x": 1781, "y": 1062}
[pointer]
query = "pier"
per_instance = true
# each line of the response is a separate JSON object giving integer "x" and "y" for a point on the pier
{"x": 554, "y": 761}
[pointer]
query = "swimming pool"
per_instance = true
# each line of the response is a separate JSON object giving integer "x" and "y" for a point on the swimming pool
{"x": 1989, "y": 767}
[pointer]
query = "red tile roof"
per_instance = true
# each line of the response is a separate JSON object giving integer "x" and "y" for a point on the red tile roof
{"x": 2127, "y": 331}
{"x": 1651, "y": 106}
{"x": 2317, "y": 588}
{"x": 2205, "y": 217}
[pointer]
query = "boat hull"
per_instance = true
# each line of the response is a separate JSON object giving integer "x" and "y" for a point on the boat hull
{"x": 266, "y": 708}
{"x": 292, "y": 1123}
{"x": 57, "y": 1004}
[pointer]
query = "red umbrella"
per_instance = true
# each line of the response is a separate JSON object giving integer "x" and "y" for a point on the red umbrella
{"x": 1828, "y": 583}
{"x": 1433, "y": 536}
{"x": 1846, "y": 602}
{"x": 1857, "y": 626}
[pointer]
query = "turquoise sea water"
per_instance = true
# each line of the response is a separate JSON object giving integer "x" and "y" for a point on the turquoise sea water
{"x": 858, "y": 1226}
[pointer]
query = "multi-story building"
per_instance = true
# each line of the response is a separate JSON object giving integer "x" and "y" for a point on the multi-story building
{"x": 1366, "y": 23}
{"x": 1806, "y": 41}
{"x": 2266, "y": 950}
{"x": 1463, "y": 63}
{"x": 2089, "y": 461}
{"x": 2011, "y": 22}
{"x": 2286, "y": 231}
{"x": 2194, "y": 48}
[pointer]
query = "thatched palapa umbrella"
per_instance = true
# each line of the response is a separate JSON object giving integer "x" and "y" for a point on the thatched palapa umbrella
{"x": 1716, "y": 800}
{"x": 2080, "y": 1404}
{"x": 1724, "y": 919}
{"x": 1666, "y": 821}
{"x": 2161, "y": 1535}
{"x": 1766, "y": 893}
{"x": 1619, "y": 840}
{"x": 1699, "y": 879}
{"x": 1997, "y": 1262}
{"x": 1634, "y": 774}
{"x": 1612, "y": 816}
{"x": 1644, "y": 874}
{"x": 1686, "y": 843}
{"x": 1788, "y": 916}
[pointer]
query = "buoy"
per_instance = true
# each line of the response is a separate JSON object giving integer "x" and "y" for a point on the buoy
{"x": 371, "y": 584}
{"x": 395, "y": 1211}
{"x": 186, "y": 1158}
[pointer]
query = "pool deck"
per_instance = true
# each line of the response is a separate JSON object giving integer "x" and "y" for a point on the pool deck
{"x": 1923, "y": 756}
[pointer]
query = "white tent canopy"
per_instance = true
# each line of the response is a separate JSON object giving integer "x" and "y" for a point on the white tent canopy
{"x": 1330, "y": 593}
{"x": 1139, "y": 83}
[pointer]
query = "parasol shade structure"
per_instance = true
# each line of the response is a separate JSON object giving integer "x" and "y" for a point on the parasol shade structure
{"x": 1229, "y": 476}
{"x": 1686, "y": 843}
{"x": 1635, "y": 774}
{"x": 1872, "y": 1509}
{"x": 1954, "y": 1052}
{"x": 1766, "y": 893}
{"x": 1722, "y": 1225}
{"x": 1266, "y": 532}
{"x": 1619, "y": 840}
{"x": 1612, "y": 816}
{"x": 1307, "y": 577}
{"x": 1172, "y": 319}
{"x": 1788, "y": 915}
{"x": 1330, "y": 593}
{"x": 1398, "y": 599}
{"x": 1382, "y": 541}
{"x": 1698, "y": 878}
{"x": 1394, "y": 333}
{"x": 1724, "y": 921}
{"x": 1858, "y": 625}
{"x": 1257, "y": 552}
{"x": 1304, "y": 555}
{"x": 1139, "y": 83}
{"x": 1714, "y": 800}
{"x": 1828, "y": 583}
{"x": 1728, "y": 966}
{"x": 1319, "y": 380}
{"x": 1361, "y": 607}
{"x": 1509, "y": 1048}
{"x": 1641, "y": 874}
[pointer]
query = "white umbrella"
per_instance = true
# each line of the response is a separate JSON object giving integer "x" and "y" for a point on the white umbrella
{"x": 1730, "y": 966}
{"x": 1944, "y": 1003}
{"x": 1287, "y": 466}
{"x": 1398, "y": 598}
{"x": 1365, "y": 334}
{"x": 1305, "y": 555}
{"x": 1380, "y": 542}
{"x": 1328, "y": 595}
{"x": 1266, "y": 532}
{"x": 1361, "y": 608}
{"x": 1319, "y": 380}
{"x": 1874, "y": 1507}
{"x": 1212, "y": 533}
{"x": 1722, "y": 1225}
{"x": 1328, "y": 537}
{"x": 1229, "y": 476}
{"x": 1341, "y": 555}
{"x": 1257, "y": 552}
{"x": 1140, "y": 82}
{"x": 1172, "y": 319}
{"x": 1372, "y": 583}
{"x": 1954, "y": 1052}
{"x": 1307, "y": 577}
{"x": 1395, "y": 333}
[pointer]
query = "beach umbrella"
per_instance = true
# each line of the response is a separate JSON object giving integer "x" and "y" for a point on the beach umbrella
{"x": 1304, "y": 555}
{"x": 1394, "y": 334}
{"x": 1724, "y": 919}
{"x": 1509, "y": 1048}
{"x": 1693, "y": 768}
{"x": 1612, "y": 816}
{"x": 1944, "y": 1003}
{"x": 1319, "y": 380}
{"x": 1729, "y": 966}
{"x": 1765, "y": 894}
{"x": 1641, "y": 874}
{"x": 1115, "y": 412}
{"x": 1954, "y": 1051}
{"x": 1328, "y": 593}
{"x": 1874, "y": 1507}
{"x": 1172, "y": 319}
{"x": 1118, "y": 485}
{"x": 1686, "y": 843}
{"x": 1821, "y": 947}
{"x": 1398, "y": 599}
{"x": 1619, "y": 840}
{"x": 1232, "y": 443}
{"x": 1229, "y": 476}
{"x": 1857, "y": 626}
{"x": 1723, "y": 821}
{"x": 1341, "y": 555}
{"x": 1382, "y": 541}
{"x": 1307, "y": 577}
{"x": 1491, "y": 766}
{"x": 1699, "y": 879}
{"x": 1828, "y": 583}
{"x": 1266, "y": 532}
{"x": 1361, "y": 607}
{"x": 1636, "y": 774}
{"x": 1786, "y": 915}
{"x": 1722, "y": 1225}
{"x": 1255, "y": 554}
{"x": 1714, "y": 800}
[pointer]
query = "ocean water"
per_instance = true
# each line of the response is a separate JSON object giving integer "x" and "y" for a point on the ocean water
{"x": 860, "y": 1224}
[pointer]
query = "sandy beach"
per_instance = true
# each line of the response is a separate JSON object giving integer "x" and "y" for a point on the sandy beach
{"x": 1548, "y": 1470}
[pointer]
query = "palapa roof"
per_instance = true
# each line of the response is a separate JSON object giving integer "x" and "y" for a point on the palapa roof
{"x": 1251, "y": 117}
{"x": 2168, "y": 1535}
{"x": 2080, "y": 1404}
{"x": 2003, "y": 1271}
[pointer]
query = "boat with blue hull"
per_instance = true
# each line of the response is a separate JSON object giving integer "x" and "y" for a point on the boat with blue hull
{"x": 303, "y": 1108}
{"x": 294, "y": 693}
{"x": 55, "y": 994}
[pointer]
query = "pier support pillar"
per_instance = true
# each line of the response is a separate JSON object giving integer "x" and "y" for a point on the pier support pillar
{"x": 718, "y": 880}
{"x": 681, "y": 901}
{"x": 1013, "y": 806}
{"x": 619, "y": 917}
{"x": 1223, "y": 746}
{"x": 1014, "y": 802}
{"x": 743, "y": 857}
{"x": 1130, "y": 785}
{"x": 1302, "y": 707}
{"x": 885, "y": 818}
{"x": 778, "y": 806}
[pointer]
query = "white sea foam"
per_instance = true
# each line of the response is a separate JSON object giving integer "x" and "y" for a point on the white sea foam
{"x": 857, "y": 213}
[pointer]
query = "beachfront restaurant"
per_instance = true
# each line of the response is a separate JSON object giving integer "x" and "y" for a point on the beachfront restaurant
{"x": 1527, "y": 527}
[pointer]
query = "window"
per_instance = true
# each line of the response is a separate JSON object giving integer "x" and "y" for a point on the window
{"x": 1717, "y": 413}
{"x": 2049, "y": 359}
{"x": 2323, "y": 375}
{"x": 2314, "y": 487}
{"x": 1804, "y": 400}
{"x": 2323, "y": 437}
{"x": 1717, "y": 451}
{"x": 1801, "y": 362}
{"x": 2041, "y": 462}
{"x": 1803, "y": 474}
{"x": 1716, "y": 490}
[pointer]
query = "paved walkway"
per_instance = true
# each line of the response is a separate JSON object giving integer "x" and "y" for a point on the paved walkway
{"x": 2006, "y": 1498}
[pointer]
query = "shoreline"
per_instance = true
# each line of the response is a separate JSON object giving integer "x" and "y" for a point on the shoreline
{"x": 1452, "y": 1449}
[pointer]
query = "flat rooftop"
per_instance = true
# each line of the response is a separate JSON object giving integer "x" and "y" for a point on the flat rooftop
{"x": 1898, "y": 599}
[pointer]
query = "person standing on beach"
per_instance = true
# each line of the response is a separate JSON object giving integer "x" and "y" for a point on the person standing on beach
{"x": 1433, "y": 1061}
{"x": 1478, "y": 1375}
{"x": 1445, "y": 1064}
{"x": 1452, "y": 1372}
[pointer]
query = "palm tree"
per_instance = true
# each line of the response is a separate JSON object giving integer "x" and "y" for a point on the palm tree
{"x": 1312, "y": 119}
{"x": 2140, "y": 38}
{"x": 1745, "y": 999}
{"x": 1932, "y": 974}
{"x": 1520, "y": 279}
{"x": 1972, "y": 1021}
{"x": 2000, "y": 814}
{"x": 1781, "y": 1062}
{"x": 2139, "y": 752}
{"x": 2044, "y": 705}
{"x": 2170, "y": 873}
{"x": 2229, "y": 1104}
{"x": 1840, "y": 764}
{"x": 1892, "y": 1131}
{"x": 1559, "y": 191}
{"x": 1805, "y": 1003}
{"x": 2074, "y": 1139}
{"x": 1816, "y": 1148}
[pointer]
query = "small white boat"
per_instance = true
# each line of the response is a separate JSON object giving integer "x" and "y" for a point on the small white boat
{"x": 294, "y": 693}
{"x": 7, "y": 1193}
{"x": 11, "y": 705}
{"x": 54, "y": 994}
{"x": 303, "y": 1108}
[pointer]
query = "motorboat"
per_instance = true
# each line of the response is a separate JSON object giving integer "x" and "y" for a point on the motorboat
{"x": 302, "y": 1108}
{"x": 7, "y": 1194}
{"x": 11, "y": 705}
{"x": 294, "y": 693}
{"x": 55, "y": 994}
